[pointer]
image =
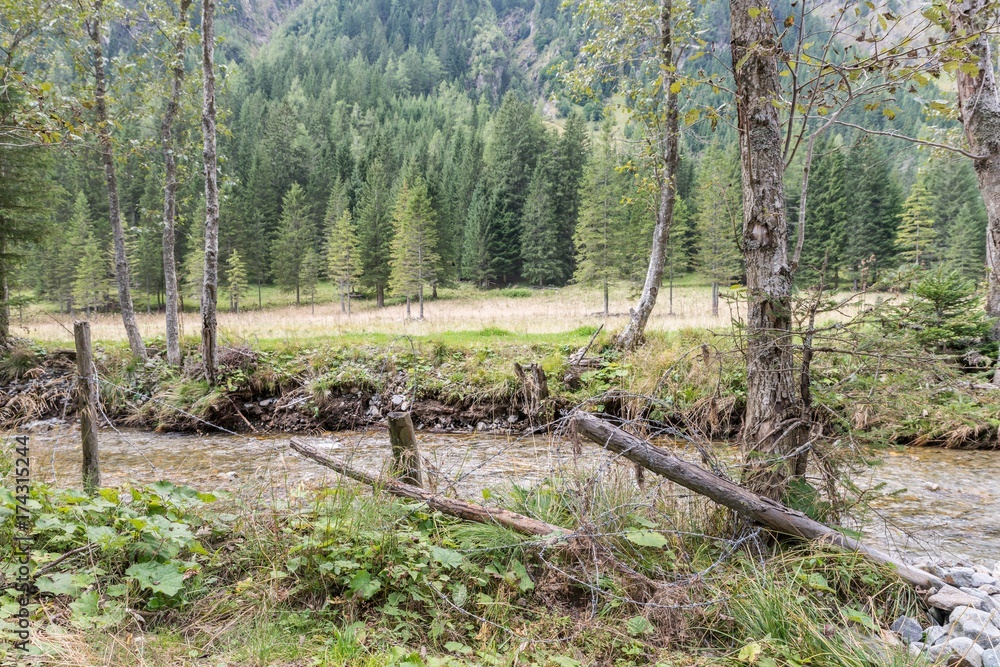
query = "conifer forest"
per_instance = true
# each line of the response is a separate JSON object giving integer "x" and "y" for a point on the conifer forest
{"x": 500, "y": 332}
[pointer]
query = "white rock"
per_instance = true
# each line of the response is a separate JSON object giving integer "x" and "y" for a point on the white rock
{"x": 981, "y": 579}
{"x": 991, "y": 658}
{"x": 950, "y": 597}
{"x": 938, "y": 634}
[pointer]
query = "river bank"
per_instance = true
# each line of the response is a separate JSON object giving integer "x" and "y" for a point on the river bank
{"x": 691, "y": 380}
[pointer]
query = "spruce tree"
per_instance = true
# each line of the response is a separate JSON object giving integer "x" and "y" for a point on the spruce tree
{"x": 309, "y": 276}
{"x": 916, "y": 236}
{"x": 93, "y": 278}
{"x": 375, "y": 230}
{"x": 720, "y": 213}
{"x": 294, "y": 236}
{"x": 194, "y": 262}
{"x": 540, "y": 250}
{"x": 874, "y": 212}
{"x": 966, "y": 252}
{"x": 70, "y": 251}
{"x": 476, "y": 265}
{"x": 414, "y": 257}
{"x": 600, "y": 232}
{"x": 343, "y": 258}
{"x": 566, "y": 175}
{"x": 236, "y": 280}
{"x": 827, "y": 215}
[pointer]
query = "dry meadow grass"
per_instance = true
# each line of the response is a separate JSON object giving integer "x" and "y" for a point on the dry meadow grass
{"x": 542, "y": 312}
{"x": 535, "y": 311}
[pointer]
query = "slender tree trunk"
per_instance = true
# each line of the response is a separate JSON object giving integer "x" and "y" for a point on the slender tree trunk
{"x": 407, "y": 307}
{"x": 771, "y": 427}
{"x": 715, "y": 298}
{"x": 343, "y": 299}
{"x": 111, "y": 180}
{"x": 606, "y": 311}
{"x": 170, "y": 189}
{"x": 632, "y": 336}
{"x": 380, "y": 296}
{"x": 209, "y": 325}
{"x": 5, "y": 305}
{"x": 260, "y": 299}
{"x": 979, "y": 111}
{"x": 348, "y": 299}
{"x": 420, "y": 295}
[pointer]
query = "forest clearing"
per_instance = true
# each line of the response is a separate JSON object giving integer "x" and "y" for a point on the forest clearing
{"x": 442, "y": 333}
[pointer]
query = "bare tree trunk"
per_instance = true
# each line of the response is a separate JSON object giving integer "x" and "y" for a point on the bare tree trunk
{"x": 606, "y": 311}
{"x": 756, "y": 507}
{"x": 111, "y": 180}
{"x": 771, "y": 428}
{"x": 420, "y": 296}
{"x": 715, "y": 298}
{"x": 979, "y": 111}
{"x": 380, "y": 296}
{"x": 407, "y": 307}
{"x": 5, "y": 305}
{"x": 633, "y": 334}
{"x": 209, "y": 325}
{"x": 170, "y": 188}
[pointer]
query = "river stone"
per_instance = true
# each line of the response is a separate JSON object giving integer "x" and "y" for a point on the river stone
{"x": 978, "y": 626}
{"x": 915, "y": 648}
{"x": 981, "y": 579}
{"x": 909, "y": 629}
{"x": 960, "y": 576}
{"x": 991, "y": 658}
{"x": 988, "y": 604}
{"x": 938, "y": 634}
{"x": 950, "y": 597}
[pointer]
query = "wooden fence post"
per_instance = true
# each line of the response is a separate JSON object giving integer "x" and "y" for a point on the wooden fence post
{"x": 86, "y": 391}
{"x": 405, "y": 456}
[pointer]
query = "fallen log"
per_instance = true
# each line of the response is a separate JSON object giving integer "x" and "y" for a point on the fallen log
{"x": 764, "y": 511}
{"x": 451, "y": 506}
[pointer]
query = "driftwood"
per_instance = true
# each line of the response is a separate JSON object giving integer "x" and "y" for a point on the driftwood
{"x": 764, "y": 511}
{"x": 451, "y": 506}
{"x": 405, "y": 455}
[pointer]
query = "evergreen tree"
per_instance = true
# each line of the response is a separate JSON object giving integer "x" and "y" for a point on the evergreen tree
{"x": 874, "y": 212}
{"x": 236, "y": 280}
{"x": 294, "y": 236}
{"x": 476, "y": 264}
{"x": 566, "y": 175}
{"x": 93, "y": 276}
{"x": 916, "y": 235}
{"x": 375, "y": 230}
{"x": 827, "y": 215}
{"x": 966, "y": 252}
{"x": 677, "y": 257}
{"x": 309, "y": 275}
{"x": 414, "y": 257}
{"x": 601, "y": 232}
{"x": 69, "y": 252}
{"x": 343, "y": 258}
{"x": 720, "y": 214}
{"x": 540, "y": 260}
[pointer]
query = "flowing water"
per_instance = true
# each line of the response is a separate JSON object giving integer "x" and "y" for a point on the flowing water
{"x": 940, "y": 502}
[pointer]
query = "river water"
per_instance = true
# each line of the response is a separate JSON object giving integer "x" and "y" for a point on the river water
{"x": 940, "y": 503}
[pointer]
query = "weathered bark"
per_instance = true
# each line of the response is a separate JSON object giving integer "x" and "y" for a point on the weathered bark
{"x": 759, "y": 508}
{"x": 111, "y": 181}
{"x": 5, "y": 303}
{"x": 458, "y": 508}
{"x": 632, "y": 336}
{"x": 534, "y": 385}
{"x": 210, "y": 285}
{"x": 979, "y": 111}
{"x": 170, "y": 188}
{"x": 87, "y": 397}
{"x": 772, "y": 428}
{"x": 405, "y": 454}
{"x": 380, "y": 296}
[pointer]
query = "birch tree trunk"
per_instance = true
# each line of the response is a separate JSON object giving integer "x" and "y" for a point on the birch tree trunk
{"x": 979, "y": 111}
{"x": 170, "y": 188}
{"x": 632, "y": 336}
{"x": 771, "y": 428}
{"x": 111, "y": 181}
{"x": 211, "y": 280}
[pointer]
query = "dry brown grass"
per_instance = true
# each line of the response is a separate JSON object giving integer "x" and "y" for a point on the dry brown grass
{"x": 545, "y": 311}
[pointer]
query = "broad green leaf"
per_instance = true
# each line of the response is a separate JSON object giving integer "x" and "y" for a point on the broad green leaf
{"x": 646, "y": 538}
{"x": 158, "y": 577}
{"x": 447, "y": 557}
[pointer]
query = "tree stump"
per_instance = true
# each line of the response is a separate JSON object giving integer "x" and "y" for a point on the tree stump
{"x": 405, "y": 455}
